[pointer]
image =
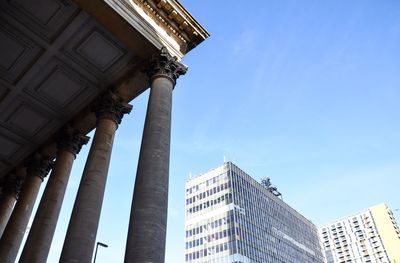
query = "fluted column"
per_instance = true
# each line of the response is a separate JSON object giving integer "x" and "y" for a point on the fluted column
{"x": 148, "y": 220}
{"x": 37, "y": 169}
{"x": 8, "y": 198}
{"x": 82, "y": 229}
{"x": 38, "y": 243}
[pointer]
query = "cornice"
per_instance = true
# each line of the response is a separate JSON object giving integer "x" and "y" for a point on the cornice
{"x": 163, "y": 22}
{"x": 177, "y": 20}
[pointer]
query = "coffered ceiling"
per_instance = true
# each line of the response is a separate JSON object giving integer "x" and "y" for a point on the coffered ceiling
{"x": 56, "y": 56}
{"x": 54, "y": 60}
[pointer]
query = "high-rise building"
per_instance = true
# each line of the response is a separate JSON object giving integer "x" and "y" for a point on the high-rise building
{"x": 368, "y": 236}
{"x": 230, "y": 217}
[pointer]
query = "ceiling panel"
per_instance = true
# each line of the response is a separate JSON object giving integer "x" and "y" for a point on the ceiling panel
{"x": 8, "y": 147}
{"x": 47, "y": 18}
{"x": 61, "y": 87}
{"x": 13, "y": 148}
{"x": 100, "y": 51}
{"x": 54, "y": 60}
{"x": 18, "y": 52}
{"x": 30, "y": 120}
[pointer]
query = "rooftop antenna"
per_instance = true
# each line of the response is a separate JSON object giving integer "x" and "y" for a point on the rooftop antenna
{"x": 190, "y": 175}
{"x": 224, "y": 159}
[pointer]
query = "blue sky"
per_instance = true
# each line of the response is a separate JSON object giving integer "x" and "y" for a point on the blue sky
{"x": 305, "y": 92}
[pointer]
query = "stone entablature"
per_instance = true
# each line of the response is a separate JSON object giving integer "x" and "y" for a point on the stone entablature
{"x": 166, "y": 23}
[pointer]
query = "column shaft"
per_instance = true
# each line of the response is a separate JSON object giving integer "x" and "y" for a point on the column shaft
{"x": 10, "y": 191}
{"x": 7, "y": 203}
{"x": 38, "y": 243}
{"x": 16, "y": 227}
{"x": 148, "y": 221}
{"x": 82, "y": 229}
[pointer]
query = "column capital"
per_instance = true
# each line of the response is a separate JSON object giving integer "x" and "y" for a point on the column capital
{"x": 71, "y": 140}
{"x": 110, "y": 106}
{"x": 38, "y": 166}
{"x": 12, "y": 185}
{"x": 164, "y": 65}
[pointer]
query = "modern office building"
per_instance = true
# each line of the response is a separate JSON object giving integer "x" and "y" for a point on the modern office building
{"x": 368, "y": 236}
{"x": 230, "y": 217}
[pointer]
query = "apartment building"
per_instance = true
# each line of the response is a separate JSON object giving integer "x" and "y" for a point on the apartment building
{"x": 370, "y": 236}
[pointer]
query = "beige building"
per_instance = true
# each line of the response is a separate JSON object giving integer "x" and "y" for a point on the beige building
{"x": 368, "y": 236}
{"x": 68, "y": 67}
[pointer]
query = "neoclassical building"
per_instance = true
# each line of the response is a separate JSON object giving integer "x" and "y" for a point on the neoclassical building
{"x": 67, "y": 68}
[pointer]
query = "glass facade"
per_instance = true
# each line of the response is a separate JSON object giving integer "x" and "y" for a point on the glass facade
{"x": 230, "y": 217}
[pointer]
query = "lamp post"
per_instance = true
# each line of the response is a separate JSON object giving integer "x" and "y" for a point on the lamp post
{"x": 97, "y": 246}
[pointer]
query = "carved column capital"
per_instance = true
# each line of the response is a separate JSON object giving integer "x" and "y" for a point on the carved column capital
{"x": 38, "y": 166}
{"x": 71, "y": 140}
{"x": 164, "y": 65}
{"x": 110, "y": 106}
{"x": 12, "y": 185}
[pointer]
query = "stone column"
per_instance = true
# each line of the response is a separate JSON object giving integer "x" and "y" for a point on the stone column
{"x": 148, "y": 220}
{"x": 37, "y": 169}
{"x": 82, "y": 229}
{"x": 38, "y": 243}
{"x": 8, "y": 198}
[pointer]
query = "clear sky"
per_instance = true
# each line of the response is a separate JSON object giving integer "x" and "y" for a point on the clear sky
{"x": 305, "y": 92}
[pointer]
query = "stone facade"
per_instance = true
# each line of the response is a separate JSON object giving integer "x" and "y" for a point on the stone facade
{"x": 66, "y": 68}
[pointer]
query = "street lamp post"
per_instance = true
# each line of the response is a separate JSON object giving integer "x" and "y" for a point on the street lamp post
{"x": 97, "y": 246}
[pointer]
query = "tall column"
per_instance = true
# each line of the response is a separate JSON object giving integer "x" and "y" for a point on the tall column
{"x": 82, "y": 229}
{"x": 37, "y": 169}
{"x": 148, "y": 220}
{"x": 38, "y": 243}
{"x": 8, "y": 198}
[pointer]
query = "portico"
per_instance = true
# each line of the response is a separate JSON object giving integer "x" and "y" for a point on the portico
{"x": 66, "y": 68}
